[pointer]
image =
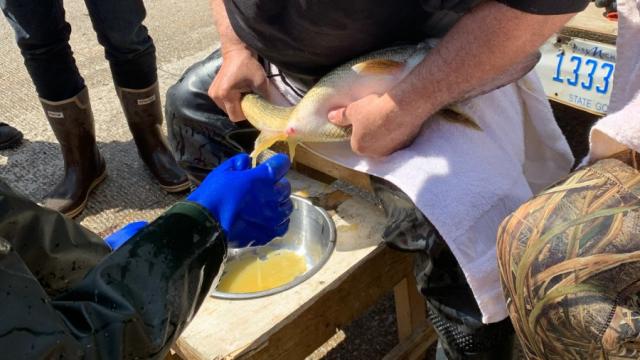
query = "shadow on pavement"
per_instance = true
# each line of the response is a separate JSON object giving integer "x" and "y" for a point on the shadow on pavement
{"x": 37, "y": 166}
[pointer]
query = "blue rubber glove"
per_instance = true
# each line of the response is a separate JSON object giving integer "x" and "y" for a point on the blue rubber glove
{"x": 252, "y": 205}
{"x": 121, "y": 236}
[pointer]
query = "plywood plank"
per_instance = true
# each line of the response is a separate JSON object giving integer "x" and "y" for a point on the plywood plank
{"x": 411, "y": 312}
{"x": 350, "y": 296}
{"x": 416, "y": 346}
{"x": 309, "y": 159}
{"x": 403, "y": 310}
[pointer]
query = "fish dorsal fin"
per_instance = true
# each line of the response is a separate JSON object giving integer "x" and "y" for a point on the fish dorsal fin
{"x": 378, "y": 67}
{"x": 263, "y": 115}
{"x": 455, "y": 115}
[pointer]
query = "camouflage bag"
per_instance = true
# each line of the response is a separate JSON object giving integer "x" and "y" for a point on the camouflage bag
{"x": 570, "y": 265}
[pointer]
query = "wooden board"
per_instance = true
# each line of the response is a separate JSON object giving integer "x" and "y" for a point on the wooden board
{"x": 230, "y": 329}
{"x": 339, "y": 304}
{"x": 324, "y": 166}
{"x": 410, "y": 308}
{"x": 592, "y": 25}
{"x": 416, "y": 346}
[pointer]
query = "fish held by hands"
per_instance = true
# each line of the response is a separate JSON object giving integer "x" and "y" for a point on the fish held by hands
{"x": 374, "y": 73}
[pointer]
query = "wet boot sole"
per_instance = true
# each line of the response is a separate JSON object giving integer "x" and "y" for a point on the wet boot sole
{"x": 176, "y": 188}
{"x": 77, "y": 210}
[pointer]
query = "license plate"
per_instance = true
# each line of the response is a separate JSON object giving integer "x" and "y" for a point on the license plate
{"x": 578, "y": 73}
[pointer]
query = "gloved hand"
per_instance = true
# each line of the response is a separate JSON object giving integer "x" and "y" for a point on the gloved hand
{"x": 251, "y": 205}
{"x": 121, "y": 236}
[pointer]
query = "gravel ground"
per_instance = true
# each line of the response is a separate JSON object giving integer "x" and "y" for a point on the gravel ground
{"x": 369, "y": 337}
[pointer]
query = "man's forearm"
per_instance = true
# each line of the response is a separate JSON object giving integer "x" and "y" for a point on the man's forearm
{"x": 483, "y": 45}
{"x": 229, "y": 41}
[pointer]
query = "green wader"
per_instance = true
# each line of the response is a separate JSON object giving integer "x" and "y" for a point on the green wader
{"x": 65, "y": 296}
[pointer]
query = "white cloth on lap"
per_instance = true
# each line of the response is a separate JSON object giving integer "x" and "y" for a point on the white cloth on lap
{"x": 467, "y": 181}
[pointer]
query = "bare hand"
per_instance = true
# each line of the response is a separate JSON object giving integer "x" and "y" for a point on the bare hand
{"x": 239, "y": 74}
{"x": 379, "y": 127}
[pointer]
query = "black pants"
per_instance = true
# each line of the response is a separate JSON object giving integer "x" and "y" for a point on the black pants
{"x": 42, "y": 34}
{"x": 453, "y": 310}
{"x": 202, "y": 137}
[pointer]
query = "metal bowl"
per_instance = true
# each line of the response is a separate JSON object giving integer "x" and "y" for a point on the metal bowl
{"x": 312, "y": 234}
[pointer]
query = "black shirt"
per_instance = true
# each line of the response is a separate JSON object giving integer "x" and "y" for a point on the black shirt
{"x": 307, "y": 38}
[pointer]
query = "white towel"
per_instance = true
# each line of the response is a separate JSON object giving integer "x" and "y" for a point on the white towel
{"x": 467, "y": 181}
{"x": 621, "y": 129}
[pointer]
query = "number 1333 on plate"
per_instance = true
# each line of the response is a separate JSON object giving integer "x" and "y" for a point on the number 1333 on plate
{"x": 578, "y": 73}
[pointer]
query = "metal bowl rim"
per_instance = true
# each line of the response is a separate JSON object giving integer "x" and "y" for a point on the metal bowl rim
{"x": 299, "y": 280}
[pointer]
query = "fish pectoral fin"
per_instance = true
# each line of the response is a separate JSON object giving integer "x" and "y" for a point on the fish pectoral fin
{"x": 457, "y": 116}
{"x": 378, "y": 67}
{"x": 264, "y": 141}
{"x": 263, "y": 115}
{"x": 292, "y": 142}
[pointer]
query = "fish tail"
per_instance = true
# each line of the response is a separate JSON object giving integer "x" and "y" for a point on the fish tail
{"x": 457, "y": 116}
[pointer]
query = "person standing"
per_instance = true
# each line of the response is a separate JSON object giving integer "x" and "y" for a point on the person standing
{"x": 42, "y": 34}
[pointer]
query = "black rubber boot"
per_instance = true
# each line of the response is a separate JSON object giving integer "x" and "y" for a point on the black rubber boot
{"x": 144, "y": 115}
{"x": 460, "y": 342}
{"x": 84, "y": 168}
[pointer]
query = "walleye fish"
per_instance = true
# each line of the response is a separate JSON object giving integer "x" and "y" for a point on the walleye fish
{"x": 373, "y": 73}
